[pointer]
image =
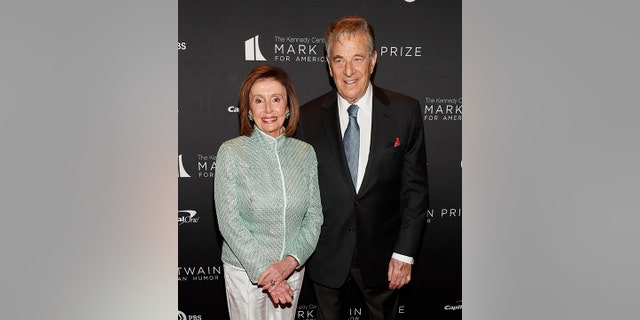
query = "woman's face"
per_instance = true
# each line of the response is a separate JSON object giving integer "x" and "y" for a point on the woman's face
{"x": 268, "y": 105}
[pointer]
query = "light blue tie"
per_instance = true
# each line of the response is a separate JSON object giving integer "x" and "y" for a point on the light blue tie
{"x": 351, "y": 142}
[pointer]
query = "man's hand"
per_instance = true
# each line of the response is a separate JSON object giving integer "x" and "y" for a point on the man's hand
{"x": 399, "y": 274}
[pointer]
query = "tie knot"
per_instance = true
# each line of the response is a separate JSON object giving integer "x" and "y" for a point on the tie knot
{"x": 353, "y": 110}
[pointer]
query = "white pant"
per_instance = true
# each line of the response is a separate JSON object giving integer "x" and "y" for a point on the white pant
{"x": 247, "y": 301}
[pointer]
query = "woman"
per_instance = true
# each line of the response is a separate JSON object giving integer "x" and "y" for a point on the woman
{"x": 267, "y": 200}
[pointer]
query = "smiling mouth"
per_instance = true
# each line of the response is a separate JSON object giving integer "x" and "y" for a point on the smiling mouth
{"x": 269, "y": 119}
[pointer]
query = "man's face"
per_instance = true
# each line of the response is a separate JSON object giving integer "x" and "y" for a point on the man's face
{"x": 351, "y": 66}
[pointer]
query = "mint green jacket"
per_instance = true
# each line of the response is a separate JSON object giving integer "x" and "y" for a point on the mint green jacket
{"x": 267, "y": 201}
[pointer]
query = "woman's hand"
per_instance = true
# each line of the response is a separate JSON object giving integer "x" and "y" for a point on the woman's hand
{"x": 277, "y": 272}
{"x": 280, "y": 293}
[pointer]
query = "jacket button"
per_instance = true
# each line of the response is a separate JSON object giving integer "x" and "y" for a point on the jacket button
{"x": 352, "y": 229}
{"x": 355, "y": 203}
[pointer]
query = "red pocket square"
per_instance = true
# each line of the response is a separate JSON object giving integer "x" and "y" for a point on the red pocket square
{"x": 396, "y": 143}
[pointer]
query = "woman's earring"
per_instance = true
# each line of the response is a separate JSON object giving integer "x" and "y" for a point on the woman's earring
{"x": 250, "y": 117}
{"x": 287, "y": 114}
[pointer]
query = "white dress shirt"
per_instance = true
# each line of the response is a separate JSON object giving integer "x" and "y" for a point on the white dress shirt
{"x": 364, "y": 122}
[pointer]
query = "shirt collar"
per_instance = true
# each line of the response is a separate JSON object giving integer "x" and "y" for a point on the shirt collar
{"x": 266, "y": 136}
{"x": 364, "y": 103}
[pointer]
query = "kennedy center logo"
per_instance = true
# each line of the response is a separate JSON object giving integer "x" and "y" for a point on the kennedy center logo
{"x": 252, "y": 50}
{"x": 182, "y": 173}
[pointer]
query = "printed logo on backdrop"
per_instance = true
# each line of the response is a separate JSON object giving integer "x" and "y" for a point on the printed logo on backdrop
{"x": 443, "y": 214}
{"x": 454, "y": 306}
{"x": 355, "y": 313}
{"x": 182, "y": 173}
{"x": 205, "y": 166}
{"x": 285, "y": 48}
{"x": 310, "y": 49}
{"x": 306, "y": 312}
{"x": 183, "y": 316}
{"x": 252, "y": 50}
{"x": 199, "y": 273}
{"x": 309, "y": 312}
{"x": 394, "y": 51}
{"x": 443, "y": 109}
{"x": 187, "y": 217}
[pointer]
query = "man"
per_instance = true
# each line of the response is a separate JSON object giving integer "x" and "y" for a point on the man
{"x": 374, "y": 193}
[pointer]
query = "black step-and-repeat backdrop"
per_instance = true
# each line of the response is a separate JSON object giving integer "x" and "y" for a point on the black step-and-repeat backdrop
{"x": 419, "y": 45}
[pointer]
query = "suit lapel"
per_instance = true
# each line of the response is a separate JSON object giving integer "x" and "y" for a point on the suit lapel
{"x": 331, "y": 124}
{"x": 380, "y": 116}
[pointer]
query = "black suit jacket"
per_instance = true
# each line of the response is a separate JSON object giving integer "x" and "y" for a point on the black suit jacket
{"x": 388, "y": 213}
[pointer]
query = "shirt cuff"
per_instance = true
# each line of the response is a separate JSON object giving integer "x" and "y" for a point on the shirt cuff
{"x": 402, "y": 258}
